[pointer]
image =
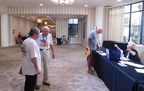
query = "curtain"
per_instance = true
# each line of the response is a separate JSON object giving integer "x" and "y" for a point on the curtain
{"x": 116, "y": 24}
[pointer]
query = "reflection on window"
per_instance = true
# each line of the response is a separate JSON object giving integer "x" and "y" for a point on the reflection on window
{"x": 73, "y": 27}
{"x": 132, "y": 22}
{"x": 137, "y": 7}
{"x": 135, "y": 27}
{"x": 126, "y": 27}
{"x": 127, "y": 8}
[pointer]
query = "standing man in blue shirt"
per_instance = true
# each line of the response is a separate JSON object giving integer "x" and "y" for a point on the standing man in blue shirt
{"x": 92, "y": 44}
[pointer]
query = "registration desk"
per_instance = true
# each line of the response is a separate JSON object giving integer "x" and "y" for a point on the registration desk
{"x": 141, "y": 87}
{"x": 115, "y": 77}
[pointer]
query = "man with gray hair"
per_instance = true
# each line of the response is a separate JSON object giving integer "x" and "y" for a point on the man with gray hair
{"x": 31, "y": 59}
{"x": 45, "y": 43}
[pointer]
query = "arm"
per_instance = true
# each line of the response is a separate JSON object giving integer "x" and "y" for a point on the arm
{"x": 87, "y": 43}
{"x": 52, "y": 49}
{"x": 98, "y": 46}
{"x": 118, "y": 48}
{"x": 34, "y": 61}
{"x": 131, "y": 52}
{"x": 115, "y": 45}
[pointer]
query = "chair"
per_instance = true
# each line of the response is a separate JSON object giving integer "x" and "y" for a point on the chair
{"x": 110, "y": 44}
{"x": 66, "y": 40}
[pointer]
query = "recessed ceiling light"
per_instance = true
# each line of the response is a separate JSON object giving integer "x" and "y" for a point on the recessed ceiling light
{"x": 22, "y": 16}
{"x": 86, "y": 5}
{"x": 118, "y": 0}
{"x": 41, "y": 4}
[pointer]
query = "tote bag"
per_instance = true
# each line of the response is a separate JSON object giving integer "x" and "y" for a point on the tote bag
{"x": 113, "y": 54}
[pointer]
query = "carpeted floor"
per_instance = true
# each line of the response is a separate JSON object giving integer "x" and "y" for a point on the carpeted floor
{"x": 67, "y": 72}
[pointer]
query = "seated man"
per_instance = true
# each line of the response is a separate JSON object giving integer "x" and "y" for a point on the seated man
{"x": 19, "y": 38}
{"x": 130, "y": 52}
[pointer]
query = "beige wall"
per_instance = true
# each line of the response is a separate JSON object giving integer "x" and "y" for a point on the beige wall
{"x": 0, "y": 29}
{"x": 61, "y": 23}
{"x": 21, "y": 25}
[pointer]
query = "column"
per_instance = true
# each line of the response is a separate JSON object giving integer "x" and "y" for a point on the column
{"x": 4, "y": 30}
{"x": 99, "y": 20}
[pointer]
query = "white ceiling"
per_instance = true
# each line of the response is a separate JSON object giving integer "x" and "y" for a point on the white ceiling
{"x": 77, "y": 3}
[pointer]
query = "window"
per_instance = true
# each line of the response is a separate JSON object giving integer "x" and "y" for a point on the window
{"x": 135, "y": 27}
{"x": 83, "y": 27}
{"x": 73, "y": 27}
{"x": 133, "y": 22}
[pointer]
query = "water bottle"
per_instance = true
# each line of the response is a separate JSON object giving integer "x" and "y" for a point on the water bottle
{"x": 122, "y": 56}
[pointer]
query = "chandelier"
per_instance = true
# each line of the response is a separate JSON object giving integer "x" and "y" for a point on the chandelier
{"x": 62, "y": 2}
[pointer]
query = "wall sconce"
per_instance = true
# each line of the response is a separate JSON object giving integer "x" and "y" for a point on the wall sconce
{"x": 45, "y": 23}
{"x": 39, "y": 21}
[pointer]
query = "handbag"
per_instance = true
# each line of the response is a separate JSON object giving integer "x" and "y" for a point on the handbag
{"x": 113, "y": 54}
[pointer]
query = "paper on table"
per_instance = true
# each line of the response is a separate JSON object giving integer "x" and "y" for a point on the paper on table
{"x": 132, "y": 64}
{"x": 121, "y": 64}
{"x": 124, "y": 58}
{"x": 101, "y": 53}
{"x": 139, "y": 70}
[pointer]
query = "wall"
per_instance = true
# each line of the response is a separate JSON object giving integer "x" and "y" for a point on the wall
{"x": 61, "y": 24}
{"x": 20, "y": 25}
{"x": 0, "y": 29}
{"x": 61, "y": 27}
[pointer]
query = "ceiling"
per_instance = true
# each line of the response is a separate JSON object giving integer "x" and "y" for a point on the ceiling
{"x": 48, "y": 3}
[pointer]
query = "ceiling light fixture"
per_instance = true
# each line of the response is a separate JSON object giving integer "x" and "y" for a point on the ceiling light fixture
{"x": 39, "y": 21}
{"x": 63, "y": 2}
{"x": 118, "y": 0}
{"x": 45, "y": 23}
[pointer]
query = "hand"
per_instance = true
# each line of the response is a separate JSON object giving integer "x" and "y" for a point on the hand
{"x": 38, "y": 71}
{"x": 115, "y": 45}
{"x": 100, "y": 51}
{"x": 87, "y": 47}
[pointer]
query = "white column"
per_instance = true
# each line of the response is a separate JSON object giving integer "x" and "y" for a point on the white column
{"x": 4, "y": 30}
{"x": 100, "y": 20}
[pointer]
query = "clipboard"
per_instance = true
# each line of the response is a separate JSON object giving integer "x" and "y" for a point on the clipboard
{"x": 87, "y": 52}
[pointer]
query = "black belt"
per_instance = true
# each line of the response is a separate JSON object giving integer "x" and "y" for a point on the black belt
{"x": 43, "y": 49}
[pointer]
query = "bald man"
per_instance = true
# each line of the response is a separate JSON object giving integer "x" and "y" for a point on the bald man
{"x": 92, "y": 44}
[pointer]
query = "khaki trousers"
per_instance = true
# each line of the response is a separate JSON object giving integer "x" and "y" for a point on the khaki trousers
{"x": 45, "y": 55}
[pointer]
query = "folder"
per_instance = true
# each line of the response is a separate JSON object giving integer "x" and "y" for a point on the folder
{"x": 87, "y": 52}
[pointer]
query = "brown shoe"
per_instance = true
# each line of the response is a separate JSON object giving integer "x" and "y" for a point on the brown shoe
{"x": 37, "y": 87}
{"x": 46, "y": 83}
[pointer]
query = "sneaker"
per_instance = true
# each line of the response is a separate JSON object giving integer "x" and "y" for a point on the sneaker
{"x": 37, "y": 87}
{"x": 46, "y": 83}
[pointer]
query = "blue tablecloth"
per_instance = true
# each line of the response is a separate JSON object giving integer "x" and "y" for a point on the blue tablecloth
{"x": 141, "y": 87}
{"x": 115, "y": 77}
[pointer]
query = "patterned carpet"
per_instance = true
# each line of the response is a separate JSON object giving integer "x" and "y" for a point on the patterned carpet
{"x": 67, "y": 72}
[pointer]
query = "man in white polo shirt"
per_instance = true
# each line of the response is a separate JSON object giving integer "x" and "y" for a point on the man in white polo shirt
{"x": 45, "y": 43}
{"x": 31, "y": 59}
